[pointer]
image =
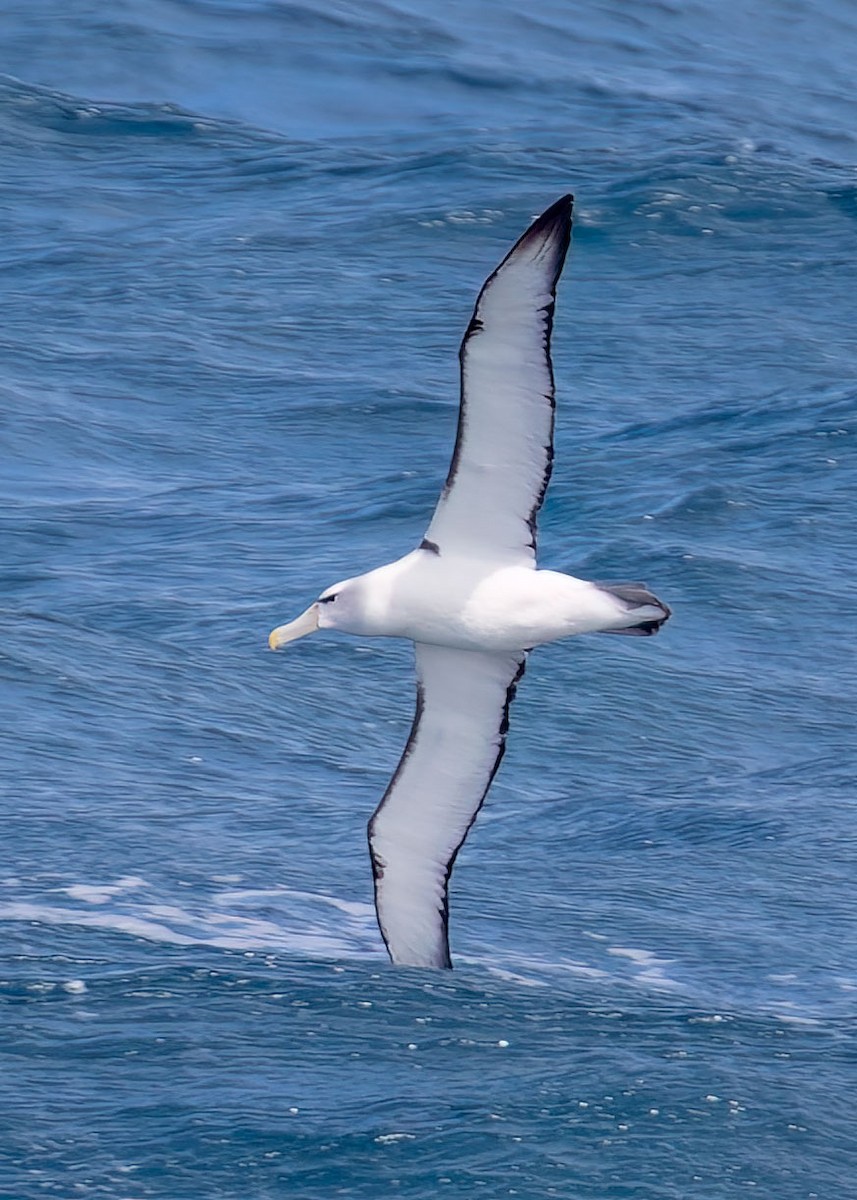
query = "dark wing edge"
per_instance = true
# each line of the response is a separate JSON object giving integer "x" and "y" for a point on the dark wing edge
{"x": 554, "y": 220}
{"x": 439, "y": 955}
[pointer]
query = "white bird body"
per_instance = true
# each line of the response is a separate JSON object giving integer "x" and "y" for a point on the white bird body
{"x": 470, "y": 597}
{"x": 472, "y": 604}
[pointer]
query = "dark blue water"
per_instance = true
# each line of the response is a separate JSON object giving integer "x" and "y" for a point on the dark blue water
{"x": 241, "y": 240}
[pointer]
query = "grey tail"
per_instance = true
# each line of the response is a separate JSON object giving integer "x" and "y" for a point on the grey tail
{"x": 653, "y": 612}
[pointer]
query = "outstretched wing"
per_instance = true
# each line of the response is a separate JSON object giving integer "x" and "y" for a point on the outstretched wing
{"x": 504, "y": 447}
{"x": 453, "y": 752}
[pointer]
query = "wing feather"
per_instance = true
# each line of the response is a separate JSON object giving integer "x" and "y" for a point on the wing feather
{"x": 504, "y": 446}
{"x": 453, "y": 752}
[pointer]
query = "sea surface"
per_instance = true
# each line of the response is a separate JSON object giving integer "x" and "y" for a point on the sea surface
{"x": 240, "y": 242}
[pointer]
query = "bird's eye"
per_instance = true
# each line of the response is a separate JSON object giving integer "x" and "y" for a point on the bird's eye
{"x": 326, "y": 599}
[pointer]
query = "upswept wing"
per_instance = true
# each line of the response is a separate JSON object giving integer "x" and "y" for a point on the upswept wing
{"x": 453, "y": 752}
{"x": 504, "y": 446}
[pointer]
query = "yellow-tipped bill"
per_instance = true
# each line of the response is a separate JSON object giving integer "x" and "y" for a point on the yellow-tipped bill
{"x": 306, "y": 623}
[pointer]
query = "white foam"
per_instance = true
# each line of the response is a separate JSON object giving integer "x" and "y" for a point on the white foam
{"x": 651, "y": 967}
{"x": 100, "y": 894}
{"x": 298, "y": 931}
{"x": 45, "y": 914}
{"x": 353, "y": 908}
{"x": 793, "y": 1018}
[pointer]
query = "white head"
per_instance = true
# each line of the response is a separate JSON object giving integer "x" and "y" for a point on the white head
{"x": 338, "y": 607}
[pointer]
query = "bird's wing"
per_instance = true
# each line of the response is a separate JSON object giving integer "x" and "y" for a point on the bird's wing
{"x": 504, "y": 446}
{"x": 453, "y": 753}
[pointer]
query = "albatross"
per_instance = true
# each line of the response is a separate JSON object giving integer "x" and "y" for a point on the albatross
{"x": 471, "y": 597}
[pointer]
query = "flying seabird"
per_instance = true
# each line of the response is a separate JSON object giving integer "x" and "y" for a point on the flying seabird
{"x": 471, "y": 598}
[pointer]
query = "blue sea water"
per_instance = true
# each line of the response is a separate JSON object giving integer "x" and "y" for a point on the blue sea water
{"x": 241, "y": 239}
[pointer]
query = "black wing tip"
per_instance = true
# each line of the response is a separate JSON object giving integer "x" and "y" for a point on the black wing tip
{"x": 549, "y": 234}
{"x": 559, "y": 215}
{"x": 559, "y": 208}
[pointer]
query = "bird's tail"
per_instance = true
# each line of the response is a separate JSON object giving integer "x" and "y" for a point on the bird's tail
{"x": 648, "y": 612}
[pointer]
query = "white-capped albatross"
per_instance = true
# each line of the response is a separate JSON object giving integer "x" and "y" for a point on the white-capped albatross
{"x": 471, "y": 597}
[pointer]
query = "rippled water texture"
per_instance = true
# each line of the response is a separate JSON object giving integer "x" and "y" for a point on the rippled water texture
{"x": 241, "y": 241}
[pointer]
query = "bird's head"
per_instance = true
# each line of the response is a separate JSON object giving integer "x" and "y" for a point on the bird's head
{"x": 335, "y": 608}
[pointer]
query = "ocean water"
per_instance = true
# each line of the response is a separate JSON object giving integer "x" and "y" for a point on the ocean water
{"x": 241, "y": 240}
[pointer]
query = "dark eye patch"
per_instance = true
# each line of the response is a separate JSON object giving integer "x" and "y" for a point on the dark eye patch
{"x": 326, "y": 599}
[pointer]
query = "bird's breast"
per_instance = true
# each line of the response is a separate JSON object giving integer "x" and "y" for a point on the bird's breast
{"x": 475, "y": 606}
